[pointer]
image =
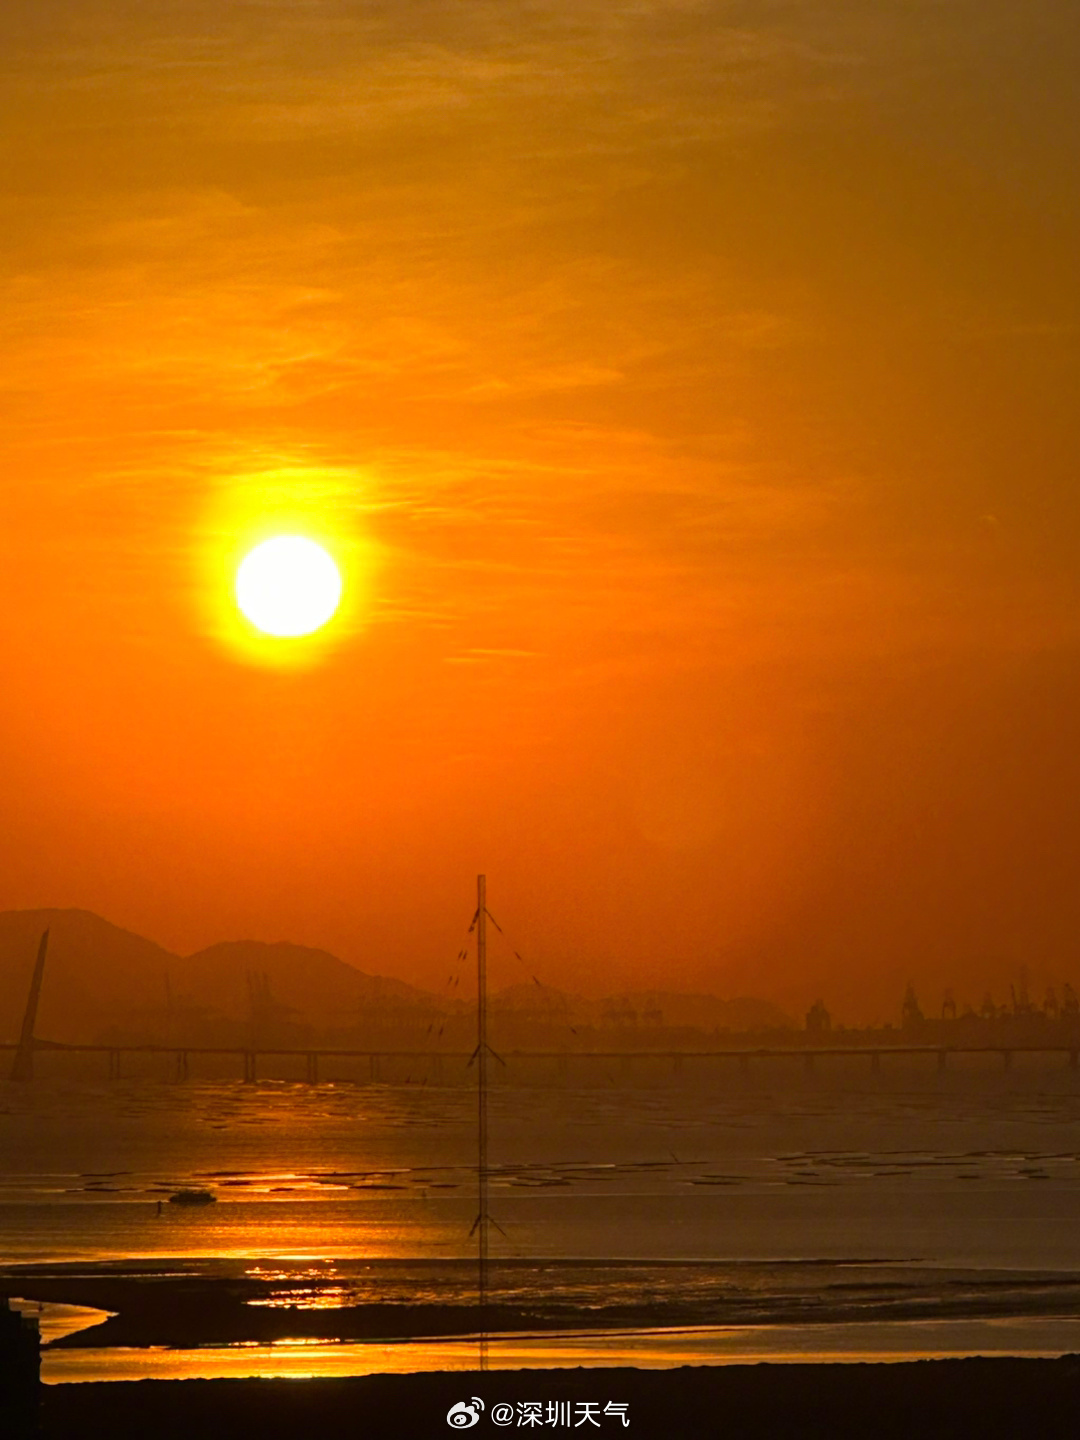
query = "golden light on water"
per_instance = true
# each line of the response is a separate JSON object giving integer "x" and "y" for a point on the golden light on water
{"x": 288, "y": 586}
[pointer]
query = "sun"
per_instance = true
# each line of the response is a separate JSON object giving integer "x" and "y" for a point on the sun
{"x": 288, "y": 586}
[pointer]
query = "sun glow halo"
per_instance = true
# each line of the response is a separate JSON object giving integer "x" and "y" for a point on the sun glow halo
{"x": 288, "y": 586}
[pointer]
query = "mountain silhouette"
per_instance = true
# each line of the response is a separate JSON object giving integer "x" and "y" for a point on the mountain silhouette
{"x": 93, "y": 973}
{"x": 103, "y": 981}
{"x": 104, "y": 984}
{"x": 307, "y": 982}
{"x": 642, "y": 1009}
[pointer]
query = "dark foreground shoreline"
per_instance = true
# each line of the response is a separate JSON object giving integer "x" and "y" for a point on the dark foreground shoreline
{"x": 921, "y": 1400}
{"x": 191, "y": 1306}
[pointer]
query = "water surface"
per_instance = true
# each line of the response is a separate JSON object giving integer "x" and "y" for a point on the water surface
{"x": 760, "y": 1200}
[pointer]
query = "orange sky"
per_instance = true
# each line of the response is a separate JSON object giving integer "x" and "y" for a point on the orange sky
{"x": 691, "y": 389}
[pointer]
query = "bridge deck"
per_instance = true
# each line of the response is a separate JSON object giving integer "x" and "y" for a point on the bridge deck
{"x": 730, "y": 1052}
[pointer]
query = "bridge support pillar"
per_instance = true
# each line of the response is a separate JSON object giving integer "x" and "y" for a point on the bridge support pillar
{"x": 114, "y": 1064}
{"x": 311, "y": 1068}
{"x": 181, "y": 1065}
{"x": 374, "y": 1066}
{"x": 249, "y": 1067}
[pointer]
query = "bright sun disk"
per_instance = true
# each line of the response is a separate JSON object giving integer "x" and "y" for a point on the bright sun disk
{"x": 288, "y": 586}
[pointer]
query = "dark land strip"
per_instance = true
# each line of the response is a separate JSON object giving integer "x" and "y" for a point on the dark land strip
{"x": 189, "y": 1310}
{"x": 924, "y": 1400}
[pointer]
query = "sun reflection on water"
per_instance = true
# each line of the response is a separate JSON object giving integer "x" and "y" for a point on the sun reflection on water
{"x": 330, "y": 1297}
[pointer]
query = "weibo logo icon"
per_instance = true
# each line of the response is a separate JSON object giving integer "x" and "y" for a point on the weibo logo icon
{"x": 464, "y": 1416}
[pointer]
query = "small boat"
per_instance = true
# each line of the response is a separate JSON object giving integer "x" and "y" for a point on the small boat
{"x": 192, "y": 1197}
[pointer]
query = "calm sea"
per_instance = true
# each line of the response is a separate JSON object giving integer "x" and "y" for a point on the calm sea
{"x": 811, "y": 1216}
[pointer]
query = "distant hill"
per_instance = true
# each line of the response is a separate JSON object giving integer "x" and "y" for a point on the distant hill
{"x": 701, "y": 1012}
{"x": 640, "y": 1009}
{"x": 94, "y": 972}
{"x": 312, "y": 983}
{"x": 103, "y": 983}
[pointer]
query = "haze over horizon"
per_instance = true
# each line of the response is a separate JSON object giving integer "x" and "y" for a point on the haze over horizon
{"x": 105, "y": 976}
{"x": 103, "y": 983}
{"x": 689, "y": 391}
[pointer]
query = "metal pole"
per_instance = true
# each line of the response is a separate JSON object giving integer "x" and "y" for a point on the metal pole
{"x": 481, "y": 1109}
{"x": 23, "y": 1068}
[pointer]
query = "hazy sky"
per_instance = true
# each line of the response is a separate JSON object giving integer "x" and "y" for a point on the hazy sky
{"x": 691, "y": 392}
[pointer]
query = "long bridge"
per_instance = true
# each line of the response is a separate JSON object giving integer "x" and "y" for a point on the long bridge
{"x": 434, "y": 1062}
{"x": 437, "y": 1062}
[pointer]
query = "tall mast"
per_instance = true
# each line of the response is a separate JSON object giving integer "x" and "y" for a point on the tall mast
{"x": 481, "y": 1108}
{"x": 23, "y": 1068}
